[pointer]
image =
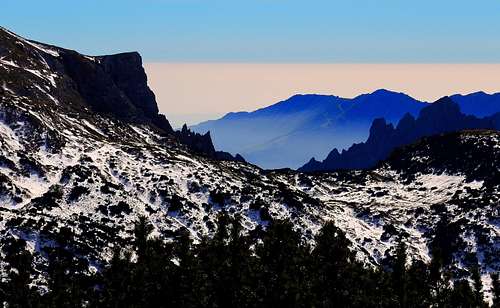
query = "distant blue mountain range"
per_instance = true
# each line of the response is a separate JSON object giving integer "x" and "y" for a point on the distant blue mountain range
{"x": 289, "y": 133}
{"x": 443, "y": 116}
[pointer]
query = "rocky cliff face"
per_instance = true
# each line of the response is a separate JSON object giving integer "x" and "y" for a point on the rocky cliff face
{"x": 202, "y": 144}
{"x": 441, "y": 117}
{"x": 113, "y": 85}
{"x": 129, "y": 76}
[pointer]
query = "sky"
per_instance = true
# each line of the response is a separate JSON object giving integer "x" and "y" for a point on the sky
{"x": 265, "y": 32}
{"x": 367, "y": 31}
{"x": 193, "y": 92}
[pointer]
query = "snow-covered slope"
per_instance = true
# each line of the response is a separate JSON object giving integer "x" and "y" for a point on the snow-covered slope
{"x": 64, "y": 164}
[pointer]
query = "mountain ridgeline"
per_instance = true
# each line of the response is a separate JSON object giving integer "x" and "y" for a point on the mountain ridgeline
{"x": 113, "y": 85}
{"x": 289, "y": 133}
{"x": 443, "y": 116}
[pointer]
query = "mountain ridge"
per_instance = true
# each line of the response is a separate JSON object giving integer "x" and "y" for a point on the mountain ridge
{"x": 286, "y": 134}
{"x": 113, "y": 85}
{"x": 290, "y": 131}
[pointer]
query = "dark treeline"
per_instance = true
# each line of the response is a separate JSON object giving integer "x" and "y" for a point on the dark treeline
{"x": 271, "y": 268}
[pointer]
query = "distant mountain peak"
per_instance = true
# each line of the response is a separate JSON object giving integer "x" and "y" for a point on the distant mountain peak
{"x": 385, "y": 92}
{"x": 444, "y": 100}
{"x": 234, "y": 115}
{"x": 444, "y": 108}
{"x": 289, "y": 132}
{"x": 477, "y": 93}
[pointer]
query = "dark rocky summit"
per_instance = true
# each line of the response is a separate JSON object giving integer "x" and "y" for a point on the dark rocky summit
{"x": 202, "y": 144}
{"x": 440, "y": 117}
{"x": 127, "y": 73}
{"x": 114, "y": 85}
{"x": 221, "y": 155}
{"x": 198, "y": 142}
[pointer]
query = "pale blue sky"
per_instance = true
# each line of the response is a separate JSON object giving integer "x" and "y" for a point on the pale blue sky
{"x": 292, "y": 31}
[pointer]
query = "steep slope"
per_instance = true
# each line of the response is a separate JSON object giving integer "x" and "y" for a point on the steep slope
{"x": 65, "y": 166}
{"x": 98, "y": 187}
{"x": 440, "y": 117}
{"x": 114, "y": 85}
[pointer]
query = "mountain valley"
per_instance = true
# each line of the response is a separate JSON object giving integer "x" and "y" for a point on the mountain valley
{"x": 83, "y": 146}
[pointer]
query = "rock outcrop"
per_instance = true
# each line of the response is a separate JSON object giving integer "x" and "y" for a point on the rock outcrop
{"x": 113, "y": 85}
{"x": 440, "y": 117}
{"x": 202, "y": 144}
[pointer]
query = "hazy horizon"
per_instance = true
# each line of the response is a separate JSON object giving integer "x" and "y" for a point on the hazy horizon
{"x": 194, "y": 92}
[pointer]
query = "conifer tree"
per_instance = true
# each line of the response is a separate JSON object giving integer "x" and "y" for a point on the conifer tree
{"x": 419, "y": 286}
{"x": 477, "y": 284}
{"x": 399, "y": 274}
{"x": 282, "y": 259}
{"x": 67, "y": 272}
{"x": 188, "y": 290}
{"x": 17, "y": 291}
{"x": 117, "y": 282}
{"x": 495, "y": 284}
{"x": 332, "y": 259}
{"x": 461, "y": 295}
{"x": 141, "y": 233}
